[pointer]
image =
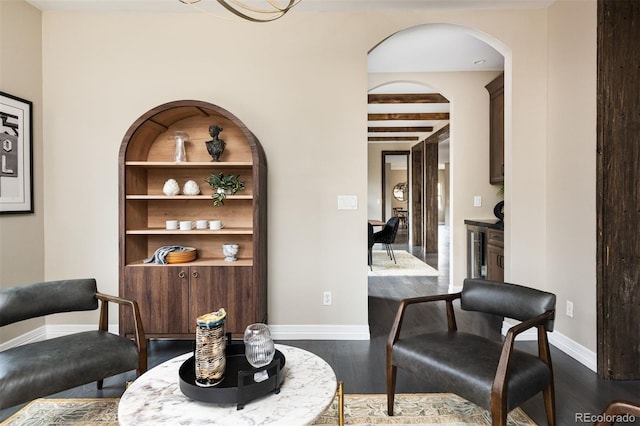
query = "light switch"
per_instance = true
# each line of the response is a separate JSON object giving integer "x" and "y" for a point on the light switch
{"x": 477, "y": 201}
{"x": 347, "y": 202}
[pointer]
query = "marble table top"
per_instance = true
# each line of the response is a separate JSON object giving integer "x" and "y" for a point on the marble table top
{"x": 155, "y": 397}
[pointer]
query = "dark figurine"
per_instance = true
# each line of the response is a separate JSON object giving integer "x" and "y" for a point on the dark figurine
{"x": 215, "y": 146}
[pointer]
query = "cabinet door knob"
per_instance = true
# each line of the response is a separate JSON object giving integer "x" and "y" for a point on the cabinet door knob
{"x": 181, "y": 274}
{"x": 194, "y": 274}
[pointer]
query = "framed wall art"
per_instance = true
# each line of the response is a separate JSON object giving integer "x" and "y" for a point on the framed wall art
{"x": 16, "y": 155}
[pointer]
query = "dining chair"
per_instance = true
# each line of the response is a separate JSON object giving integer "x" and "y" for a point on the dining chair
{"x": 371, "y": 242}
{"x": 387, "y": 236}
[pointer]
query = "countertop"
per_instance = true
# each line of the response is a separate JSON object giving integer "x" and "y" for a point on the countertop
{"x": 487, "y": 223}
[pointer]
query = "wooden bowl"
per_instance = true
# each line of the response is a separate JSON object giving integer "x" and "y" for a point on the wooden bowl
{"x": 188, "y": 255}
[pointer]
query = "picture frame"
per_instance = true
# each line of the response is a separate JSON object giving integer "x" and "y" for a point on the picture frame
{"x": 16, "y": 155}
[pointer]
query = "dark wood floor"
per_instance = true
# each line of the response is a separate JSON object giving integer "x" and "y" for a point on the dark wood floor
{"x": 361, "y": 364}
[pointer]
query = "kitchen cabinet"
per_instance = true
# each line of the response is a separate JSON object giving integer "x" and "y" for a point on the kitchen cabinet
{"x": 495, "y": 255}
{"x": 172, "y": 296}
{"x": 496, "y": 130}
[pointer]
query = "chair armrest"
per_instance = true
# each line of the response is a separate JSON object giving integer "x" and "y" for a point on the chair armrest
{"x": 618, "y": 411}
{"x": 404, "y": 304}
{"x": 502, "y": 373}
{"x": 140, "y": 338}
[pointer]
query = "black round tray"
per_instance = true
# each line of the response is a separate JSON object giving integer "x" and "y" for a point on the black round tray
{"x": 238, "y": 385}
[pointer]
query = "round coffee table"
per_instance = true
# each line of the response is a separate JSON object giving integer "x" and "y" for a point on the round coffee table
{"x": 155, "y": 397}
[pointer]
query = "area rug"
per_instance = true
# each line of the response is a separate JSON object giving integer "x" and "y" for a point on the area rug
{"x": 418, "y": 409}
{"x": 79, "y": 412}
{"x": 407, "y": 264}
{"x": 359, "y": 410}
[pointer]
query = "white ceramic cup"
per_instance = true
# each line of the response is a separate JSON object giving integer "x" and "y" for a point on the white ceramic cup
{"x": 202, "y": 224}
{"x": 171, "y": 224}
{"x": 186, "y": 225}
{"x": 215, "y": 224}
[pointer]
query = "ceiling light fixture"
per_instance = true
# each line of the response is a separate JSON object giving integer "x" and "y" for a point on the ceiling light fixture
{"x": 275, "y": 9}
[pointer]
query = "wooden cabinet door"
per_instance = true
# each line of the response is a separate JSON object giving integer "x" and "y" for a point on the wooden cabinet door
{"x": 228, "y": 287}
{"x": 495, "y": 255}
{"x": 495, "y": 263}
{"x": 162, "y": 294}
{"x": 496, "y": 132}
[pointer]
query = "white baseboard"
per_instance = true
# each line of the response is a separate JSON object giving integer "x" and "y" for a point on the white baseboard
{"x": 583, "y": 355}
{"x": 575, "y": 350}
{"x": 34, "y": 335}
{"x": 50, "y": 331}
{"x": 320, "y": 332}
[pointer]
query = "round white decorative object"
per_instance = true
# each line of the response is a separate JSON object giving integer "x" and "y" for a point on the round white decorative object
{"x": 230, "y": 250}
{"x": 171, "y": 188}
{"x": 191, "y": 188}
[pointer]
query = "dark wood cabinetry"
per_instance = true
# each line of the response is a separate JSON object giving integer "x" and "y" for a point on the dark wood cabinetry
{"x": 496, "y": 130}
{"x": 495, "y": 255}
{"x": 172, "y": 296}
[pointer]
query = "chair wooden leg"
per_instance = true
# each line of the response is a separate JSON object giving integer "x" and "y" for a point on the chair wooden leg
{"x": 499, "y": 409}
{"x": 498, "y": 416}
{"x": 391, "y": 386}
{"x": 550, "y": 404}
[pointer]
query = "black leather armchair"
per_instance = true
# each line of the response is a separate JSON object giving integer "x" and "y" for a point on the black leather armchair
{"x": 494, "y": 375}
{"x": 387, "y": 236}
{"x": 44, "y": 367}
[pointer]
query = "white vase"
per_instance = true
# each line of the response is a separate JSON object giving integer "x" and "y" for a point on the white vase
{"x": 230, "y": 250}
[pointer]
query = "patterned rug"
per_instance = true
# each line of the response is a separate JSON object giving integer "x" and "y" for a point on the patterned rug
{"x": 406, "y": 264}
{"x": 363, "y": 410}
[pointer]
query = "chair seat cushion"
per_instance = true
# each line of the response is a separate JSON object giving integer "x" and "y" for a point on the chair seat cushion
{"x": 466, "y": 364}
{"x": 45, "y": 367}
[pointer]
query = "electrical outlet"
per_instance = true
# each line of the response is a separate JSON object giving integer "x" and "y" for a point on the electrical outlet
{"x": 569, "y": 309}
{"x": 326, "y": 298}
{"x": 477, "y": 201}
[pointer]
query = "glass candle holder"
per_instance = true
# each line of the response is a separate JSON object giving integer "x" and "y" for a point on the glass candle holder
{"x": 258, "y": 345}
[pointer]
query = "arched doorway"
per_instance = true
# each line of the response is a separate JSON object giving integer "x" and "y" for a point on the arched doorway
{"x": 429, "y": 56}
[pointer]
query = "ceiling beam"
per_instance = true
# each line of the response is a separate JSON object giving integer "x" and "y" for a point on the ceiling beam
{"x": 440, "y": 136}
{"x": 392, "y": 138}
{"x": 408, "y": 98}
{"x": 400, "y": 129}
{"x": 409, "y": 116}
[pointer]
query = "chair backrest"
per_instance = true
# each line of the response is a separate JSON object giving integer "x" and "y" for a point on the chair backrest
{"x": 371, "y": 239}
{"x": 506, "y": 300}
{"x": 35, "y": 300}
{"x": 394, "y": 222}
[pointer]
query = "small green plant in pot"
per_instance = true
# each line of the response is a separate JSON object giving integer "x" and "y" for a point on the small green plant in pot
{"x": 224, "y": 185}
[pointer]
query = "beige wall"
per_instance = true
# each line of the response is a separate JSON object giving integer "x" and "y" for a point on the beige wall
{"x": 571, "y": 167}
{"x": 300, "y": 85}
{"x": 22, "y": 235}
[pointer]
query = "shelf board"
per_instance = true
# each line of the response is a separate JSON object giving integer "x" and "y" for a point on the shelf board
{"x": 185, "y": 197}
{"x": 208, "y": 261}
{"x": 162, "y": 231}
{"x": 189, "y": 164}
